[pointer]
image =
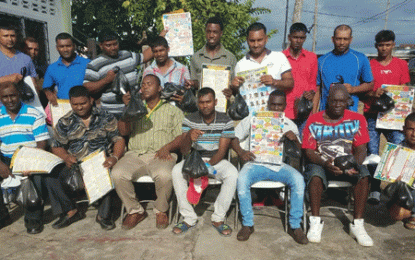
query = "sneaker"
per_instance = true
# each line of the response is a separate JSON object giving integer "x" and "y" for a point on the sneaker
{"x": 374, "y": 198}
{"x": 357, "y": 231}
{"x": 316, "y": 227}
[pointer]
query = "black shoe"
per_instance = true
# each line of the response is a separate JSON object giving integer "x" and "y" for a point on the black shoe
{"x": 35, "y": 230}
{"x": 106, "y": 224}
{"x": 65, "y": 221}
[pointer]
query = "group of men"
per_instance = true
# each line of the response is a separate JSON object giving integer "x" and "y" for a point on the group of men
{"x": 334, "y": 83}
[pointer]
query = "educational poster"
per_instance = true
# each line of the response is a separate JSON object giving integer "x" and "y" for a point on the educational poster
{"x": 34, "y": 160}
{"x": 96, "y": 177}
{"x": 253, "y": 91}
{"x": 266, "y": 132}
{"x": 396, "y": 161}
{"x": 394, "y": 119}
{"x": 217, "y": 77}
{"x": 179, "y": 33}
{"x": 59, "y": 111}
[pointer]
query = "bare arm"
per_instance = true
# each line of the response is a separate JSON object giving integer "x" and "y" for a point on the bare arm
{"x": 96, "y": 86}
{"x": 243, "y": 154}
{"x": 51, "y": 96}
{"x": 362, "y": 88}
{"x": 124, "y": 128}
{"x": 315, "y": 158}
{"x": 164, "y": 152}
{"x": 12, "y": 78}
{"x": 42, "y": 144}
{"x": 316, "y": 100}
{"x": 360, "y": 153}
{"x": 64, "y": 155}
{"x": 119, "y": 148}
{"x": 220, "y": 154}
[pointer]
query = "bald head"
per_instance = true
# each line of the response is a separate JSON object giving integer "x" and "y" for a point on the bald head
{"x": 342, "y": 27}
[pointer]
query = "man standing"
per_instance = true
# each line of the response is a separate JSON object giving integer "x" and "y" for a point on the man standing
{"x": 343, "y": 65}
{"x": 21, "y": 125}
{"x": 210, "y": 133}
{"x": 66, "y": 72}
{"x": 99, "y": 74}
{"x": 329, "y": 134}
{"x": 11, "y": 60}
{"x": 386, "y": 70}
{"x": 79, "y": 133}
{"x": 212, "y": 53}
{"x": 252, "y": 173}
{"x": 279, "y": 70}
{"x": 148, "y": 154}
{"x": 31, "y": 48}
{"x": 304, "y": 70}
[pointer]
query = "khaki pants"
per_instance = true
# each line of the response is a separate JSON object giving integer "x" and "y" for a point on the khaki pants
{"x": 131, "y": 167}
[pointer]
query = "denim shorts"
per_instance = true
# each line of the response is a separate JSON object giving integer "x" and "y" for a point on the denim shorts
{"x": 312, "y": 170}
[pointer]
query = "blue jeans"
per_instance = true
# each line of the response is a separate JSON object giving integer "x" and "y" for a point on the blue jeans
{"x": 252, "y": 173}
{"x": 300, "y": 125}
{"x": 393, "y": 136}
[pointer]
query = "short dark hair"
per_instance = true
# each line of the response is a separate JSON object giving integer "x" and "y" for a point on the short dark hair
{"x": 298, "y": 27}
{"x": 5, "y": 85}
{"x": 79, "y": 91}
{"x": 385, "y": 36}
{"x": 107, "y": 35}
{"x": 204, "y": 91}
{"x": 8, "y": 26}
{"x": 159, "y": 41}
{"x": 64, "y": 36}
{"x": 215, "y": 20}
{"x": 154, "y": 76}
{"x": 30, "y": 39}
{"x": 342, "y": 27}
{"x": 278, "y": 93}
{"x": 339, "y": 87}
{"x": 256, "y": 27}
{"x": 410, "y": 118}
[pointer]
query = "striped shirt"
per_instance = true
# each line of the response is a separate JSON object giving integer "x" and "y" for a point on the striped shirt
{"x": 26, "y": 129}
{"x": 177, "y": 73}
{"x": 151, "y": 132}
{"x": 97, "y": 69}
{"x": 208, "y": 143}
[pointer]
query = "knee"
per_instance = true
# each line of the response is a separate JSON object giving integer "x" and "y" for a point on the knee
{"x": 163, "y": 178}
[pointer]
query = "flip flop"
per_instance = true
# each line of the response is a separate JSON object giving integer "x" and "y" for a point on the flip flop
{"x": 410, "y": 223}
{"x": 223, "y": 227}
{"x": 182, "y": 226}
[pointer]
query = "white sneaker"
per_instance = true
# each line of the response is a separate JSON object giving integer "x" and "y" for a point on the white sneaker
{"x": 357, "y": 230}
{"x": 316, "y": 227}
{"x": 374, "y": 197}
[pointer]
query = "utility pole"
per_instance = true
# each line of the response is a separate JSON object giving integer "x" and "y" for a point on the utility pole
{"x": 284, "y": 42}
{"x": 315, "y": 26}
{"x": 298, "y": 7}
{"x": 387, "y": 14}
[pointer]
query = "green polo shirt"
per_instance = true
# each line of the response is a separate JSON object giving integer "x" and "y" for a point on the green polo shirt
{"x": 222, "y": 57}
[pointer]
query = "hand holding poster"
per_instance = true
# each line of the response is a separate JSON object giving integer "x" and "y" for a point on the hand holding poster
{"x": 253, "y": 91}
{"x": 266, "y": 132}
{"x": 179, "y": 33}
{"x": 217, "y": 77}
{"x": 403, "y": 97}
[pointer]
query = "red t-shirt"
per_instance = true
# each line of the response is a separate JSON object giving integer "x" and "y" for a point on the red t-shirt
{"x": 395, "y": 73}
{"x": 304, "y": 71}
{"x": 335, "y": 139}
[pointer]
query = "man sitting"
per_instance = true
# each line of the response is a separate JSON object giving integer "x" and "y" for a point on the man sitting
{"x": 328, "y": 134}
{"x": 253, "y": 172}
{"x": 82, "y": 131}
{"x": 210, "y": 133}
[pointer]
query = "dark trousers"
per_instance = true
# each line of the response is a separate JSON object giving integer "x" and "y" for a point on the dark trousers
{"x": 4, "y": 212}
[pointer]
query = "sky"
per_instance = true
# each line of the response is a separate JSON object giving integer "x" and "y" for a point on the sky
{"x": 366, "y": 17}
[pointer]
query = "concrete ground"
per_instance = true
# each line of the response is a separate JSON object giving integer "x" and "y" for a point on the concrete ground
{"x": 86, "y": 240}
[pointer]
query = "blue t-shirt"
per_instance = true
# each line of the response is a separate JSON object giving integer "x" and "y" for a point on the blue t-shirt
{"x": 65, "y": 77}
{"x": 15, "y": 64}
{"x": 353, "y": 66}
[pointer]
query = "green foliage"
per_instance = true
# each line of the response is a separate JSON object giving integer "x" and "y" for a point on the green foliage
{"x": 237, "y": 15}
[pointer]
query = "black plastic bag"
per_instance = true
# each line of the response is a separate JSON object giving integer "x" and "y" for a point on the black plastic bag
{"x": 120, "y": 84}
{"x": 194, "y": 166}
{"x": 304, "y": 108}
{"x": 73, "y": 181}
{"x": 291, "y": 153}
{"x": 28, "y": 196}
{"x": 26, "y": 92}
{"x": 238, "y": 110}
{"x": 400, "y": 192}
{"x": 346, "y": 162}
{"x": 383, "y": 103}
{"x": 189, "y": 103}
{"x": 171, "y": 89}
{"x": 135, "y": 108}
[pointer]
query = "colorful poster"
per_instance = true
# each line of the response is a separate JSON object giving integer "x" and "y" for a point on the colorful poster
{"x": 253, "y": 91}
{"x": 394, "y": 119}
{"x": 396, "y": 162}
{"x": 179, "y": 33}
{"x": 266, "y": 132}
{"x": 217, "y": 77}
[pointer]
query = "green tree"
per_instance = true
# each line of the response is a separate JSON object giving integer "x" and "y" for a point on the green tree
{"x": 237, "y": 16}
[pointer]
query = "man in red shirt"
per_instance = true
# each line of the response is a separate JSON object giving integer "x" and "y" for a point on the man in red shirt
{"x": 304, "y": 69}
{"x": 329, "y": 134}
{"x": 386, "y": 70}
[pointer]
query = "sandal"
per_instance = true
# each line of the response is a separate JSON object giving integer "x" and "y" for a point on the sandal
{"x": 223, "y": 227}
{"x": 182, "y": 226}
{"x": 410, "y": 223}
